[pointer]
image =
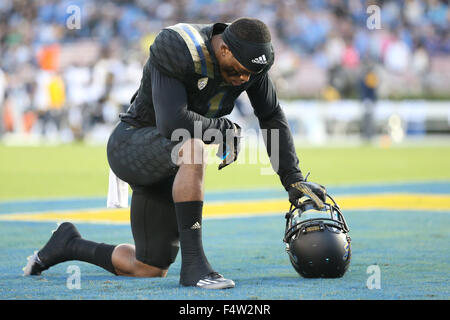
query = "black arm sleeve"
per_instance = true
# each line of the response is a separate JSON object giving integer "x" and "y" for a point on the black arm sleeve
{"x": 170, "y": 102}
{"x": 264, "y": 100}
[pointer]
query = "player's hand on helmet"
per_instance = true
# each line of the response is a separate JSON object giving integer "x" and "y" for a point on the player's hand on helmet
{"x": 314, "y": 191}
{"x": 229, "y": 149}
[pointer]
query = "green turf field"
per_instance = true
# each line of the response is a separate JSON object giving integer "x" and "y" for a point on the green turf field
{"x": 81, "y": 170}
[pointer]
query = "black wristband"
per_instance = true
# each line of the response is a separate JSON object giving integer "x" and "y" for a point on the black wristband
{"x": 292, "y": 178}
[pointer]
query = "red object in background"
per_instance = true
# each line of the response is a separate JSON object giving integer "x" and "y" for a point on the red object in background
{"x": 350, "y": 57}
{"x": 8, "y": 119}
{"x": 29, "y": 119}
{"x": 48, "y": 57}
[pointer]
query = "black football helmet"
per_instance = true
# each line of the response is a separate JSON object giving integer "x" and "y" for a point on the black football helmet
{"x": 317, "y": 240}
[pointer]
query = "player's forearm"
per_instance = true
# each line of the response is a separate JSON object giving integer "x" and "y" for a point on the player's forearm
{"x": 170, "y": 103}
{"x": 280, "y": 148}
{"x": 195, "y": 124}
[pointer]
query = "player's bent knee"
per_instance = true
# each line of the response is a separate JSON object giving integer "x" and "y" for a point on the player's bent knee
{"x": 126, "y": 264}
{"x": 192, "y": 152}
{"x": 147, "y": 271}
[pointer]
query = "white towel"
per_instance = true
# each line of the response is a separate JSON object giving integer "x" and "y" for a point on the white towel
{"x": 117, "y": 192}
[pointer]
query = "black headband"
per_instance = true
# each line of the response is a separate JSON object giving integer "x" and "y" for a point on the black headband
{"x": 253, "y": 56}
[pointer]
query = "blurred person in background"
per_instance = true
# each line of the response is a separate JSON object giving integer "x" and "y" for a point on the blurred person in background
{"x": 2, "y": 99}
{"x": 367, "y": 85}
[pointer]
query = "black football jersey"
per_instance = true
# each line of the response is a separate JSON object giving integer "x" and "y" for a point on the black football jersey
{"x": 184, "y": 52}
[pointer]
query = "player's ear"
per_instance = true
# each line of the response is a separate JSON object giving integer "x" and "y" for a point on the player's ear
{"x": 224, "y": 50}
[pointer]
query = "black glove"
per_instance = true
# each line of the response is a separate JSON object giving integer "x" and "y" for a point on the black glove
{"x": 230, "y": 147}
{"x": 314, "y": 191}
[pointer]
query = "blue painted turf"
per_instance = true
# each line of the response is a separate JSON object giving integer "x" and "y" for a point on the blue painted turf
{"x": 411, "y": 249}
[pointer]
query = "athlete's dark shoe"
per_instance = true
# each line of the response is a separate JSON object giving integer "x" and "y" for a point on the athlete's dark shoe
{"x": 214, "y": 280}
{"x": 55, "y": 251}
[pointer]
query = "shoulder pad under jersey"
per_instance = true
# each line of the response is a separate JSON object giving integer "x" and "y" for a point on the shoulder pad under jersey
{"x": 180, "y": 50}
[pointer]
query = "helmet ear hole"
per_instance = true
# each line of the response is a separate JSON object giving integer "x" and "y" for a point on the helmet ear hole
{"x": 318, "y": 242}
